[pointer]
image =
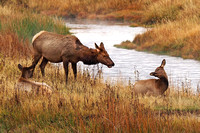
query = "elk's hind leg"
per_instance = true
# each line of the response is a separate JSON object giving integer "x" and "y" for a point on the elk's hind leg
{"x": 42, "y": 65}
{"x": 74, "y": 67}
{"x": 65, "y": 65}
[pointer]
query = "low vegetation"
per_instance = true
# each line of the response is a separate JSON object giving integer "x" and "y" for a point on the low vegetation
{"x": 88, "y": 104}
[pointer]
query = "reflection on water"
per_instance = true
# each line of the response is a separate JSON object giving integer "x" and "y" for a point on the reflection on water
{"x": 180, "y": 71}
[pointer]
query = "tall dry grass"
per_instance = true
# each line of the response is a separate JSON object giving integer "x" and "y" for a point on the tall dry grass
{"x": 170, "y": 10}
{"x": 91, "y": 105}
{"x": 87, "y": 104}
{"x": 93, "y": 9}
{"x": 179, "y": 38}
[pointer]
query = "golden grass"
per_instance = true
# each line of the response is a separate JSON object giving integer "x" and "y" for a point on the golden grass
{"x": 6, "y": 11}
{"x": 179, "y": 38}
{"x": 93, "y": 9}
{"x": 87, "y": 104}
{"x": 12, "y": 47}
{"x": 126, "y": 45}
{"x": 165, "y": 10}
{"x": 90, "y": 105}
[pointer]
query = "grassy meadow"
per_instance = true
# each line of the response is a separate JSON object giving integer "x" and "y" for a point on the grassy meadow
{"x": 91, "y": 105}
{"x": 88, "y": 104}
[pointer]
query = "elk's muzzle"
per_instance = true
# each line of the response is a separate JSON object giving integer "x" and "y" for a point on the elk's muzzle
{"x": 113, "y": 64}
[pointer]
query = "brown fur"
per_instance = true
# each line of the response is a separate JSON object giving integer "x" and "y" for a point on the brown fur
{"x": 153, "y": 86}
{"x": 67, "y": 49}
{"x": 28, "y": 86}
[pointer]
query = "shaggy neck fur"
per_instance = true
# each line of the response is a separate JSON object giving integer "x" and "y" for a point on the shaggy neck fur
{"x": 162, "y": 84}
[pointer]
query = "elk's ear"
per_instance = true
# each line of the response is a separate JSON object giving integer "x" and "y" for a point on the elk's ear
{"x": 31, "y": 69}
{"x": 96, "y": 46}
{"x": 102, "y": 46}
{"x": 94, "y": 50}
{"x": 163, "y": 63}
{"x": 20, "y": 67}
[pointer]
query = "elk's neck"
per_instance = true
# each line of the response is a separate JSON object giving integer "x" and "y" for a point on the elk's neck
{"x": 163, "y": 84}
{"x": 22, "y": 79}
{"x": 88, "y": 56}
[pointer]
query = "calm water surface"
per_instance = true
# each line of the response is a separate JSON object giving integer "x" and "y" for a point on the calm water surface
{"x": 127, "y": 62}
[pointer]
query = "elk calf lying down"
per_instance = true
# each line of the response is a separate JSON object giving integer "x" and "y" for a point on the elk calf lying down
{"x": 28, "y": 86}
{"x": 153, "y": 86}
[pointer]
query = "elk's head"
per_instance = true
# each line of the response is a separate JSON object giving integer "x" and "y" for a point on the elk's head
{"x": 160, "y": 72}
{"x": 26, "y": 71}
{"x": 103, "y": 56}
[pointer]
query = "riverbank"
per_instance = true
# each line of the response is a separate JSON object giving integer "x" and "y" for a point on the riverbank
{"x": 175, "y": 31}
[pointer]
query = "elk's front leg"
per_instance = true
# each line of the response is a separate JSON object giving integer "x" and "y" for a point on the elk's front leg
{"x": 36, "y": 59}
{"x": 42, "y": 65}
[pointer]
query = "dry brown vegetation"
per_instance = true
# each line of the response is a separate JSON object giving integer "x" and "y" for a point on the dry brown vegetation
{"x": 180, "y": 38}
{"x": 107, "y": 9}
{"x": 92, "y": 9}
{"x": 91, "y": 105}
{"x": 88, "y": 104}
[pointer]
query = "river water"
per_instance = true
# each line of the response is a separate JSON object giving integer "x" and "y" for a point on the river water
{"x": 131, "y": 64}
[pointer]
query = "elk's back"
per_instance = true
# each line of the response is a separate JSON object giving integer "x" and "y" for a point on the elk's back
{"x": 145, "y": 87}
{"x": 53, "y": 46}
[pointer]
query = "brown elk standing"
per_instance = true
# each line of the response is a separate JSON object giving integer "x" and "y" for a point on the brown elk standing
{"x": 67, "y": 49}
{"x": 28, "y": 86}
{"x": 153, "y": 86}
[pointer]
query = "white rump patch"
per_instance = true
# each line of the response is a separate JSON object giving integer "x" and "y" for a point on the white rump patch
{"x": 36, "y": 35}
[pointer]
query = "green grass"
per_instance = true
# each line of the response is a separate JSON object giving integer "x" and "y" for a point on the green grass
{"x": 28, "y": 26}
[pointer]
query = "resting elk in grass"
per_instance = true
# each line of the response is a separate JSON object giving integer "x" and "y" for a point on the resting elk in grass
{"x": 67, "y": 49}
{"x": 153, "y": 86}
{"x": 28, "y": 86}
